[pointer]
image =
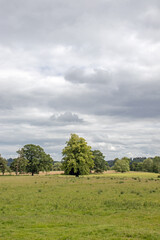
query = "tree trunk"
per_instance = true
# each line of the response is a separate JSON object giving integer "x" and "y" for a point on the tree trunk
{"x": 17, "y": 169}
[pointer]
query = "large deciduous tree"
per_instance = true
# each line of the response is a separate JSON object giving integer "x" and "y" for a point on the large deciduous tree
{"x": 77, "y": 156}
{"x": 38, "y": 160}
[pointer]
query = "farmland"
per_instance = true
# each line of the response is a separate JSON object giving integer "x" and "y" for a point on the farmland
{"x": 106, "y": 206}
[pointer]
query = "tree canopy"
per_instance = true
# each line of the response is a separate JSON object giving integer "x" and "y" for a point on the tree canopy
{"x": 156, "y": 164}
{"x": 122, "y": 165}
{"x": 3, "y": 164}
{"x": 77, "y": 156}
{"x": 100, "y": 164}
{"x": 19, "y": 164}
{"x": 37, "y": 159}
{"x": 147, "y": 165}
{"x": 57, "y": 166}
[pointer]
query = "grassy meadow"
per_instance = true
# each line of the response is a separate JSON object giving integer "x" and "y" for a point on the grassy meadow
{"x": 106, "y": 206}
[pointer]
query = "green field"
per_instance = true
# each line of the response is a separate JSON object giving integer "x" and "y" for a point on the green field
{"x": 107, "y": 206}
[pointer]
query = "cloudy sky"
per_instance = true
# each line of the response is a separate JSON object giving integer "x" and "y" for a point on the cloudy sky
{"x": 90, "y": 67}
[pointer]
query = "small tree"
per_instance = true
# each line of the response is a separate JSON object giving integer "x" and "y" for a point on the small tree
{"x": 100, "y": 164}
{"x": 121, "y": 165}
{"x": 37, "y": 159}
{"x": 57, "y": 166}
{"x": 19, "y": 164}
{"x": 77, "y": 156}
{"x": 156, "y": 164}
{"x": 139, "y": 166}
{"x": 147, "y": 165}
{"x": 3, "y": 165}
{"x": 136, "y": 166}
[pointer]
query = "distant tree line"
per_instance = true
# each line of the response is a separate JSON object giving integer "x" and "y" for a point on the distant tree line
{"x": 31, "y": 159}
{"x": 147, "y": 165}
{"x": 78, "y": 159}
{"x": 137, "y": 159}
{"x": 137, "y": 164}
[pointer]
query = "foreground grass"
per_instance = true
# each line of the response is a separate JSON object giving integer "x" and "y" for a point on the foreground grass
{"x": 110, "y": 206}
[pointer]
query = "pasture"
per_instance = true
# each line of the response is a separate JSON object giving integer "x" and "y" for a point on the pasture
{"x": 107, "y": 206}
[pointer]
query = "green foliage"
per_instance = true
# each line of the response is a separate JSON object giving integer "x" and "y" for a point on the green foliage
{"x": 147, "y": 165}
{"x": 19, "y": 164}
{"x": 122, "y": 165}
{"x": 126, "y": 159}
{"x": 37, "y": 159}
{"x": 138, "y": 159}
{"x": 100, "y": 164}
{"x": 156, "y": 164}
{"x": 3, "y": 165}
{"x": 77, "y": 156}
{"x": 114, "y": 161}
{"x": 57, "y": 166}
{"x": 136, "y": 166}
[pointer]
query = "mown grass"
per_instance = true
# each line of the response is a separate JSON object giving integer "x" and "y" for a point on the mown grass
{"x": 108, "y": 206}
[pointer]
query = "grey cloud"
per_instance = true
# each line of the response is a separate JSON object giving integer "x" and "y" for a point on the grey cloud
{"x": 66, "y": 118}
{"x": 35, "y": 23}
{"x": 97, "y": 76}
{"x": 63, "y": 119}
{"x": 124, "y": 95}
{"x": 121, "y": 94}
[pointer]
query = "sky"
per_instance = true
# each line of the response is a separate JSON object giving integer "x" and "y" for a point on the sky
{"x": 90, "y": 67}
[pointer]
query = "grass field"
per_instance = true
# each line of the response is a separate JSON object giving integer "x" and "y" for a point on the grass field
{"x": 107, "y": 206}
